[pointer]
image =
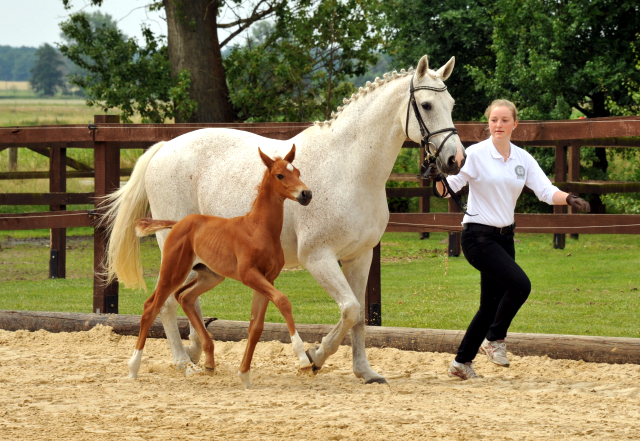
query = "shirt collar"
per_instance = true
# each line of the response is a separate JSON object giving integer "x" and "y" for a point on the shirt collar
{"x": 496, "y": 154}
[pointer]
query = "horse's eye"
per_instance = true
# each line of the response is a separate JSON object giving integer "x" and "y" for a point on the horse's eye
{"x": 426, "y": 106}
{"x": 280, "y": 177}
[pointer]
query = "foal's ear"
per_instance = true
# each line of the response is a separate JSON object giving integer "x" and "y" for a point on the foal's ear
{"x": 445, "y": 71}
{"x": 265, "y": 159}
{"x": 423, "y": 67}
{"x": 291, "y": 155}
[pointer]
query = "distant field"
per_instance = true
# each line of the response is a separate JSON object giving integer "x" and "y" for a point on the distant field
{"x": 45, "y": 111}
{"x": 6, "y": 86}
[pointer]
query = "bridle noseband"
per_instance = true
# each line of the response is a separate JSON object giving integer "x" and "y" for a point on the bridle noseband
{"x": 425, "y": 143}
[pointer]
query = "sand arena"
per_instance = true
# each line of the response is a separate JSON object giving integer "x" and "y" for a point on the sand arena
{"x": 75, "y": 386}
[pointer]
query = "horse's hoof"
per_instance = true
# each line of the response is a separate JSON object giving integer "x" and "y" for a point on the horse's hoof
{"x": 313, "y": 366}
{"x": 376, "y": 380}
{"x": 209, "y": 371}
{"x": 192, "y": 369}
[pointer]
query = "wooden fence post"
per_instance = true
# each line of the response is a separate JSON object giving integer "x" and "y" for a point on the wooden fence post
{"x": 372, "y": 298}
{"x": 58, "y": 236}
{"x": 13, "y": 159}
{"x": 424, "y": 203}
{"x": 560, "y": 176}
{"x": 574, "y": 173}
{"x": 107, "y": 180}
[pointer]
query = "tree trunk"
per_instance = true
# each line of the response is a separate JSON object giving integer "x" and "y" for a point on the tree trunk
{"x": 193, "y": 44}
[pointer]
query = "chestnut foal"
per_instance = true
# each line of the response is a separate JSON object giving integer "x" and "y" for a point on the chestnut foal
{"x": 245, "y": 248}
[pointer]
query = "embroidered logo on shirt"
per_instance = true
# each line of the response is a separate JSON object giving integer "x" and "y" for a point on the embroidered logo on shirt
{"x": 520, "y": 171}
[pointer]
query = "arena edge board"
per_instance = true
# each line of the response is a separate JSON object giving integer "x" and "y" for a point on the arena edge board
{"x": 613, "y": 350}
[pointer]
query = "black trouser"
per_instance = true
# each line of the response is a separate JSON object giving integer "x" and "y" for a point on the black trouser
{"x": 504, "y": 287}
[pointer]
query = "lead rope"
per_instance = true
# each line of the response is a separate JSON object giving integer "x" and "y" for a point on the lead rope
{"x": 425, "y": 169}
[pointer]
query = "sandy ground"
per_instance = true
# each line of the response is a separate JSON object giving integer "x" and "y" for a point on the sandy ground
{"x": 74, "y": 386}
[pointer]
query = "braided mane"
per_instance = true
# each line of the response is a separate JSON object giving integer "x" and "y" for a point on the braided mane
{"x": 369, "y": 87}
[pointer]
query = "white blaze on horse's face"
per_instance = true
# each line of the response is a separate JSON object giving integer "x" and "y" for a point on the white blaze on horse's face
{"x": 435, "y": 108}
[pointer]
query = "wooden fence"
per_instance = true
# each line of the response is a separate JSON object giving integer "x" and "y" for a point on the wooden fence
{"x": 107, "y": 137}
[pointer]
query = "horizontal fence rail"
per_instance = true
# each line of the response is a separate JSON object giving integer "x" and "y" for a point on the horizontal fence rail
{"x": 609, "y": 132}
{"x": 525, "y": 223}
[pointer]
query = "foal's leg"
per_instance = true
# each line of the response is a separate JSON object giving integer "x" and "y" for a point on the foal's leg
{"x": 256, "y": 325}
{"x": 187, "y": 296}
{"x": 169, "y": 318}
{"x": 151, "y": 309}
{"x": 255, "y": 280}
{"x": 357, "y": 272}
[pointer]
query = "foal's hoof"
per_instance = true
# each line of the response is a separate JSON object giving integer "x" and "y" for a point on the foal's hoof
{"x": 376, "y": 380}
{"x": 313, "y": 366}
{"x": 209, "y": 370}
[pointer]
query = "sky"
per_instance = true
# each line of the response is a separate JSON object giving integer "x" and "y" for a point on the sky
{"x": 35, "y": 22}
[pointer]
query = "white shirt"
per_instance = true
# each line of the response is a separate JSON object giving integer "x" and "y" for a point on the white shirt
{"x": 494, "y": 185}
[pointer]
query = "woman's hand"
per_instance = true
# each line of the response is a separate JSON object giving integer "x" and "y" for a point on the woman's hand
{"x": 578, "y": 203}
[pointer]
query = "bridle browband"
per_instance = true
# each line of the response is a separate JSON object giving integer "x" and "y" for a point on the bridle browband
{"x": 425, "y": 143}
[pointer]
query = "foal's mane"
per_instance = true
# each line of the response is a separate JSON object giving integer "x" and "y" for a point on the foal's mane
{"x": 276, "y": 159}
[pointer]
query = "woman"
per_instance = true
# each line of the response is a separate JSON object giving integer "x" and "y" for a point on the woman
{"x": 496, "y": 171}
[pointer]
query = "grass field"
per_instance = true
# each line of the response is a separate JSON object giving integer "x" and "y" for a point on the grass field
{"x": 589, "y": 288}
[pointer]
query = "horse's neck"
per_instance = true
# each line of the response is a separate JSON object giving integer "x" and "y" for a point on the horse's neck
{"x": 268, "y": 208}
{"x": 369, "y": 134}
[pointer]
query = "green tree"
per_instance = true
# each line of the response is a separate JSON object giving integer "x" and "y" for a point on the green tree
{"x": 16, "y": 62}
{"x": 122, "y": 74}
{"x": 554, "y": 55}
{"x": 442, "y": 29}
{"x": 297, "y": 69}
{"x": 46, "y": 73}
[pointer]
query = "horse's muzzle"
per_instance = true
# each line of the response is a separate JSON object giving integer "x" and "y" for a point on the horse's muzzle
{"x": 305, "y": 197}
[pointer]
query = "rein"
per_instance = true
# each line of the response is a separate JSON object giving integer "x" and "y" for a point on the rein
{"x": 425, "y": 143}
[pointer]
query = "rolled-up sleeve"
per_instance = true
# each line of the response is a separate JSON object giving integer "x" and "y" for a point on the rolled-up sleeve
{"x": 467, "y": 173}
{"x": 539, "y": 182}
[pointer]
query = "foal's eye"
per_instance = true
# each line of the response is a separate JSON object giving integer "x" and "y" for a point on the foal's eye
{"x": 426, "y": 106}
{"x": 280, "y": 177}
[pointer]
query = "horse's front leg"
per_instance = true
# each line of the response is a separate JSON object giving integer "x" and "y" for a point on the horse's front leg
{"x": 326, "y": 270}
{"x": 357, "y": 273}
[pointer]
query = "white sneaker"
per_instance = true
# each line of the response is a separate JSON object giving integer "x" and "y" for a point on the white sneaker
{"x": 496, "y": 351}
{"x": 462, "y": 371}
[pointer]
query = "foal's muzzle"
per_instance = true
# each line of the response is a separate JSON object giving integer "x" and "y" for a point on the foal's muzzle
{"x": 305, "y": 197}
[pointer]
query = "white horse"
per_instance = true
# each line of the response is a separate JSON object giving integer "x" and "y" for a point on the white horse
{"x": 346, "y": 161}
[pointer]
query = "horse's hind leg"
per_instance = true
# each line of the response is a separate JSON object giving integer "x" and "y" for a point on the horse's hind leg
{"x": 188, "y": 295}
{"x": 256, "y": 325}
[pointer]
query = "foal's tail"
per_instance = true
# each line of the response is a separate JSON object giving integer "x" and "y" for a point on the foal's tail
{"x": 122, "y": 208}
{"x": 147, "y": 226}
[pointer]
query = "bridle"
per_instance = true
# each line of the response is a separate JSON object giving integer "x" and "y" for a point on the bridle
{"x": 425, "y": 143}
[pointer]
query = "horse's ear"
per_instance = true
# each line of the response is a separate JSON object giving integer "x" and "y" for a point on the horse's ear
{"x": 423, "y": 67}
{"x": 267, "y": 160}
{"x": 291, "y": 155}
{"x": 445, "y": 71}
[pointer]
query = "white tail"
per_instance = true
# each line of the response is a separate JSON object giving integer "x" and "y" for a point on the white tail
{"x": 122, "y": 209}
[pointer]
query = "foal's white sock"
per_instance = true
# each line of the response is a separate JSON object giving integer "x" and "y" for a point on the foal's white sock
{"x": 298, "y": 348}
